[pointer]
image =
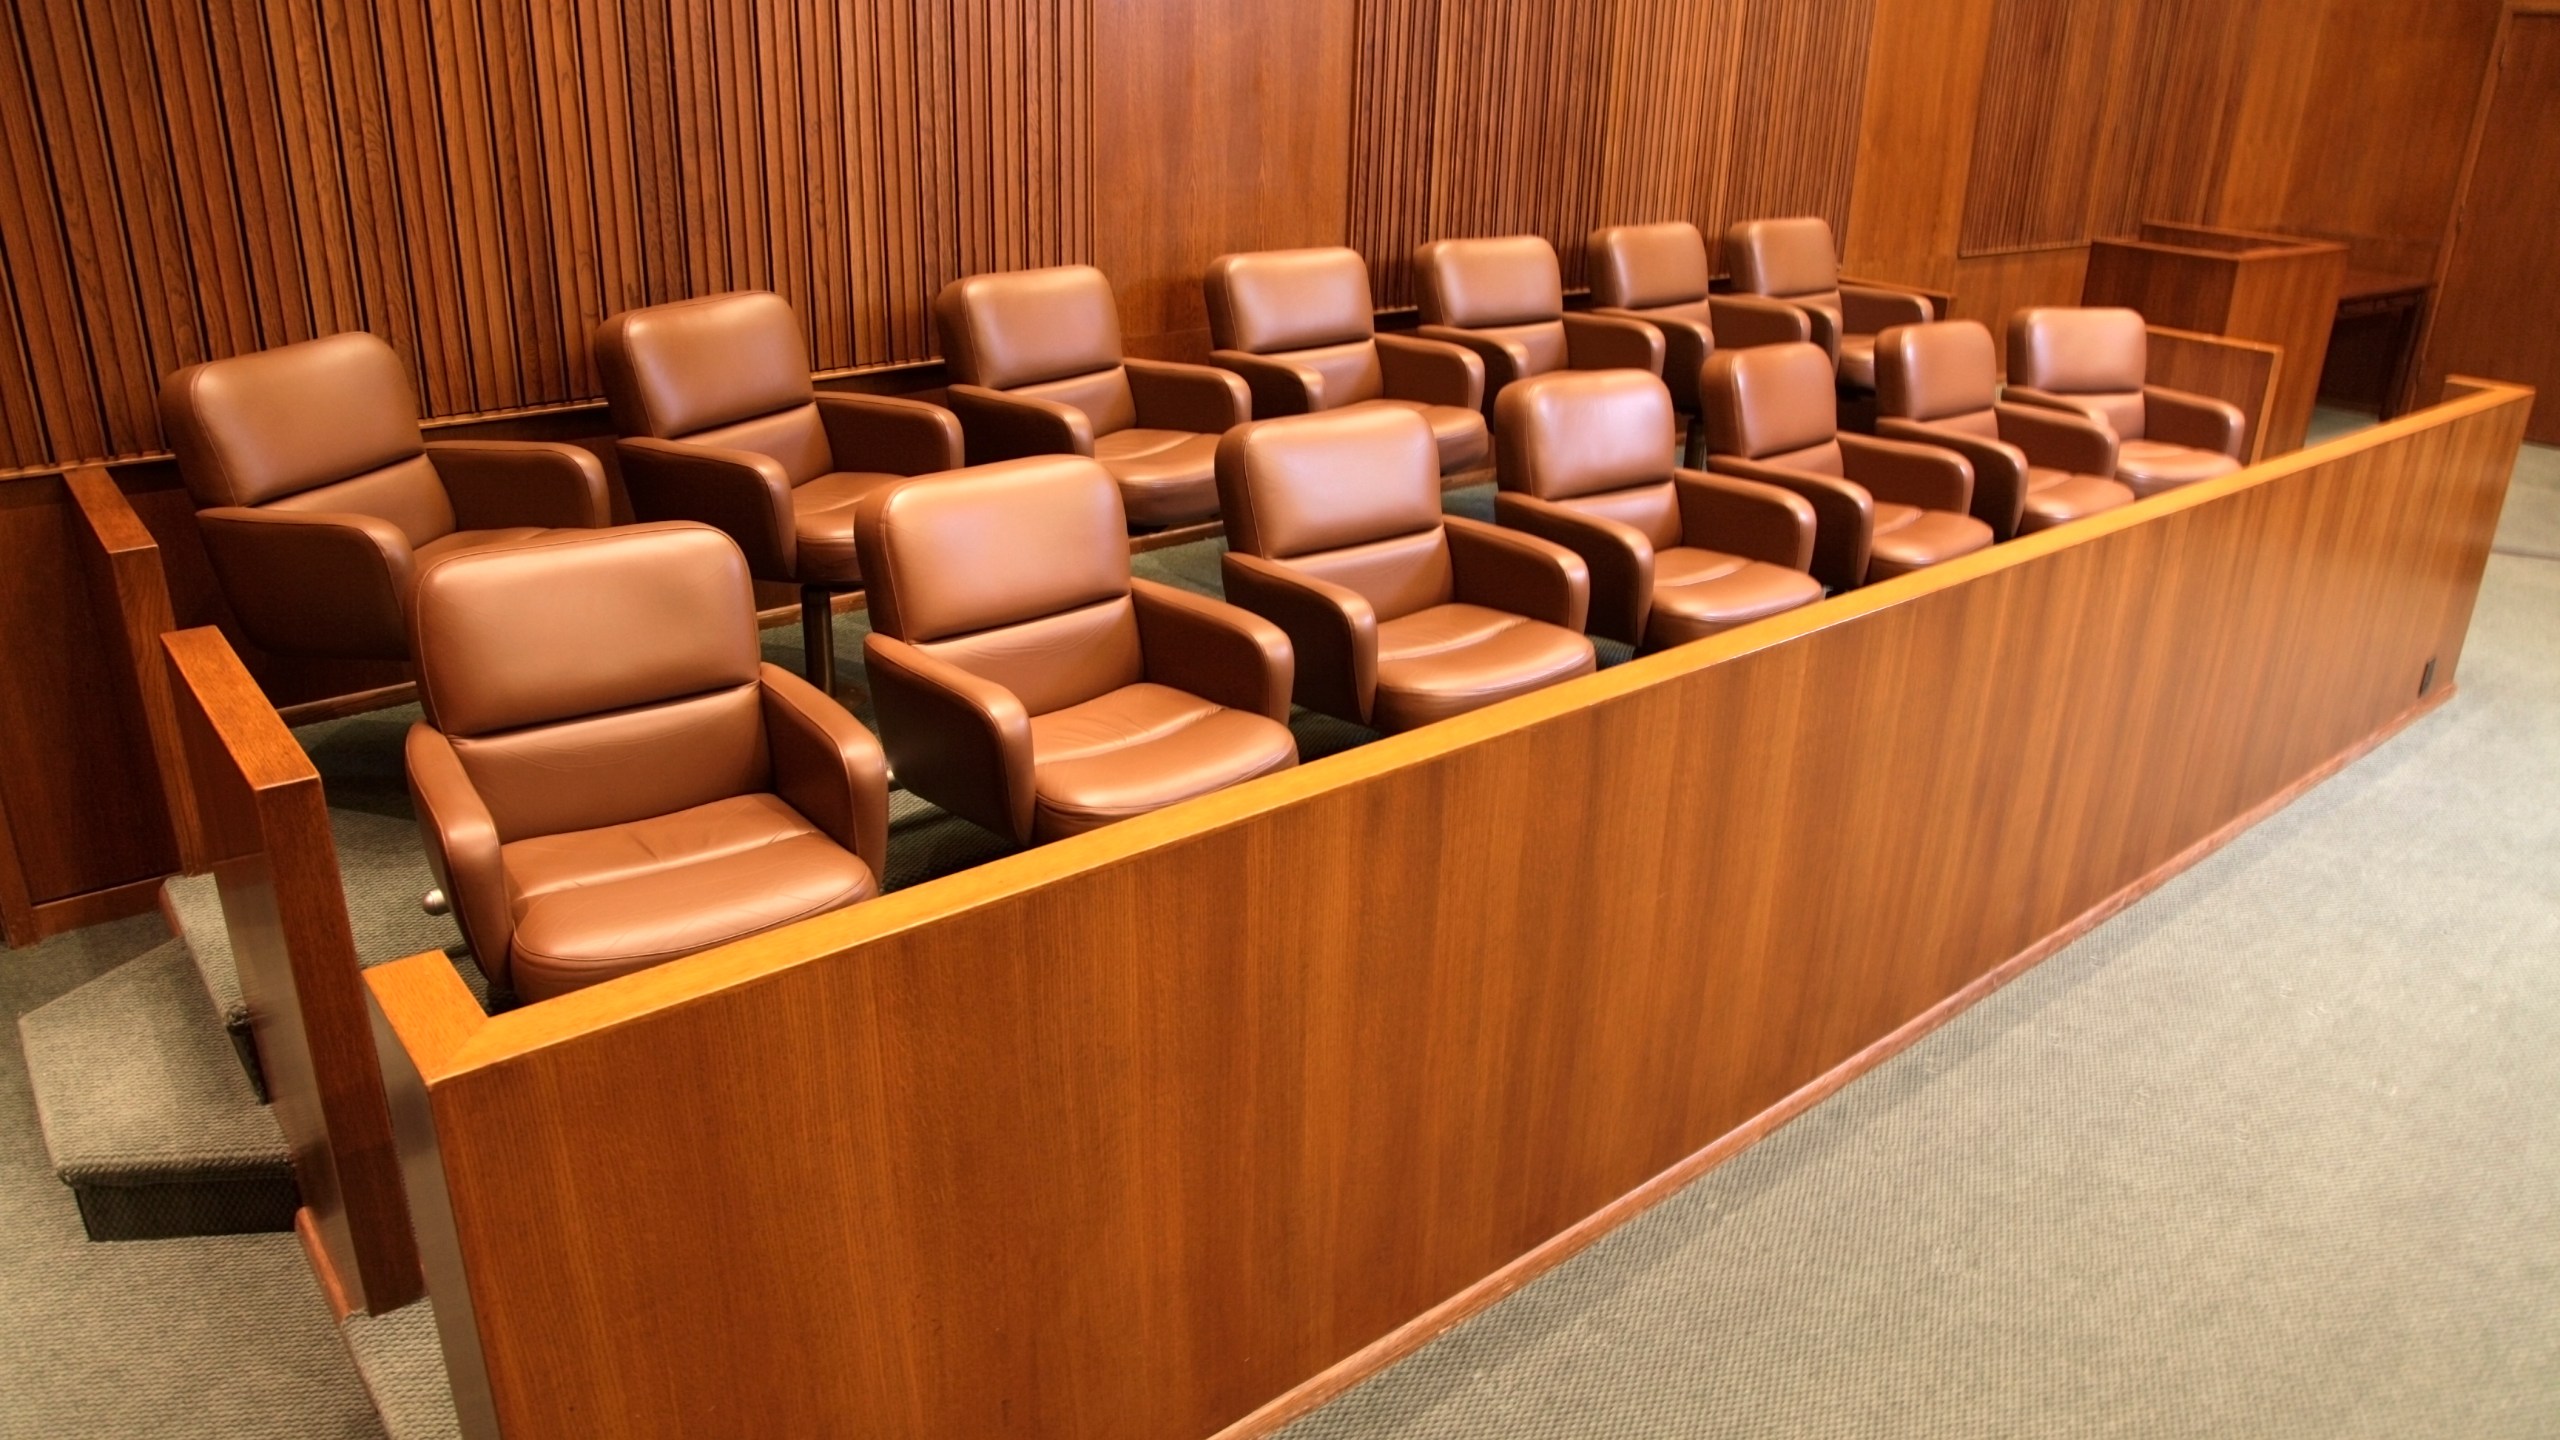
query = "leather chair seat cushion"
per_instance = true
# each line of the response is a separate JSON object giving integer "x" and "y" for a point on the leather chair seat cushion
{"x": 1449, "y": 659}
{"x": 1167, "y": 477}
{"x": 593, "y": 904}
{"x": 1697, "y": 593}
{"x": 2057, "y": 497}
{"x": 1858, "y": 361}
{"x": 1908, "y": 539}
{"x": 463, "y": 541}
{"x": 822, "y": 524}
{"x": 1140, "y": 748}
{"x": 1461, "y": 434}
{"x": 2151, "y": 466}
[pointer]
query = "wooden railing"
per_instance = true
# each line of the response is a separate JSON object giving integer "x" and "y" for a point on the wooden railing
{"x": 1175, "y": 1128}
{"x": 265, "y": 833}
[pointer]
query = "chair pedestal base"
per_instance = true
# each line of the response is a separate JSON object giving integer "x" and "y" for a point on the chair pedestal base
{"x": 818, "y": 636}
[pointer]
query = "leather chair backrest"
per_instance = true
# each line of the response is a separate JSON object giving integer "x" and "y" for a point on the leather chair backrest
{"x": 2098, "y": 353}
{"x": 1774, "y": 403}
{"x": 1052, "y": 334}
{"x": 323, "y": 425}
{"x": 1645, "y": 267}
{"x": 1349, "y": 496}
{"x": 1016, "y": 572}
{"x": 1793, "y": 258}
{"x": 730, "y": 371}
{"x": 1600, "y": 441}
{"x": 595, "y": 677}
{"x": 1946, "y": 373}
{"x": 1308, "y": 307}
{"x": 1509, "y": 287}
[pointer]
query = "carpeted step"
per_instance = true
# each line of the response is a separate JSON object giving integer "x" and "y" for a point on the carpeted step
{"x": 145, "y": 1112}
{"x": 193, "y": 904}
{"x": 403, "y": 1369}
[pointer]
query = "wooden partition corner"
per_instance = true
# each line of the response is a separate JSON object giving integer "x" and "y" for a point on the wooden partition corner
{"x": 127, "y": 581}
{"x": 266, "y": 833}
{"x": 1174, "y": 1129}
{"x": 2243, "y": 372}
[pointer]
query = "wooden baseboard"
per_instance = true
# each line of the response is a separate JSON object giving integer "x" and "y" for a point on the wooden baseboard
{"x": 1423, "y": 1328}
{"x": 359, "y": 702}
{"x": 332, "y": 1288}
{"x": 74, "y": 912}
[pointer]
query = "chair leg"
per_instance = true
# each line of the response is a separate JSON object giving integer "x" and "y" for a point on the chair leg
{"x": 818, "y": 636}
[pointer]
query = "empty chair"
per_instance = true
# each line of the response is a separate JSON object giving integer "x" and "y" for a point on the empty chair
{"x": 1400, "y": 615}
{"x": 607, "y": 777}
{"x": 720, "y": 424}
{"x": 2091, "y": 362}
{"x": 320, "y": 501}
{"x": 1658, "y": 274}
{"x": 1503, "y": 299}
{"x": 1881, "y": 507}
{"x": 1298, "y": 325}
{"x": 1795, "y": 260}
{"x": 1037, "y": 370}
{"x": 1588, "y": 461}
{"x": 1027, "y": 683}
{"x": 2033, "y": 467}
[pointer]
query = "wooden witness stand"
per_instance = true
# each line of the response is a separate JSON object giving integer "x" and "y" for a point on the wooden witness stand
{"x": 1179, "y": 1128}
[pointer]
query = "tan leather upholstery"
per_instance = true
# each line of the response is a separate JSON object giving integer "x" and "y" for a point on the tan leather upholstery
{"x": 319, "y": 499}
{"x": 1658, "y": 274}
{"x": 2091, "y": 362}
{"x": 1503, "y": 299}
{"x": 1299, "y": 326}
{"x": 1882, "y": 507}
{"x": 1037, "y": 370}
{"x": 1795, "y": 260}
{"x": 607, "y": 777}
{"x": 1589, "y": 462}
{"x": 1399, "y": 615}
{"x": 1026, "y": 682}
{"x": 2033, "y": 468}
{"x": 720, "y": 424}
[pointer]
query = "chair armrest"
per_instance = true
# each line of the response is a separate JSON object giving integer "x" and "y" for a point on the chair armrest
{"x": 1008, "y": 427}
{"x": 1506, "y": 570}
{"x": 1609, "y": 342}
{"x": 1931, "y": 477}
{"x": 1434, "y": 372}
{"x": 1202, "y": 399}
{"x": 1686, "y": 344}
{"x": 2062, "y": 439}
{"x": 1743, "y": 321}
{"x": 2064, "y": 404}
{"x": 1746, "y": 518}
{"x": 1844, "y": 516}
{"x": 1278, "y": 387}
{"x": 1873, "y": 309}
{"x": 462, "y": 848}
{"x": 956, "y": 739}
{"x": 1616, "y": 555}
{"x": 1999, "y": 468}
{"x": 313, "y": 582}
{"x": 2184, "y": 418}
{"x": 889, "y": 434}
{"x": 741, "y": 493}
{"x": 1504, "y": 360}
{"x": 1214, "y": 650}
{"x": 495, "y": 484}
{"x": 827, "y": 767}
{"x": 1332, "y": 630}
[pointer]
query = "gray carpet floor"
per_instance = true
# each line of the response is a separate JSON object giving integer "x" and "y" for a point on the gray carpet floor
{"x": 2275, "y": 1152}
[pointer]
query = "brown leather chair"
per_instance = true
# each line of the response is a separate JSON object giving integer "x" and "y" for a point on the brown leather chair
{"x": 2091, "y": 362}
{"x": 1400, "y": 615}
{"x": 319, "y": 501}
{"x": 720, "y": 424}
{"x": 1026, "y": 682}
{"x": 1658, "y": 274}
{"x": 1588, "y": 461}
{"x": 1882, "y": 507}
{"x": 2033, "y": 468}
{"x": 1795, "y": 260}
{"x": 1037, "y": 370}
{"x": 607, "y": 777}
{"x": 1503, "y": 298}
{"x": 1298, "y": 325}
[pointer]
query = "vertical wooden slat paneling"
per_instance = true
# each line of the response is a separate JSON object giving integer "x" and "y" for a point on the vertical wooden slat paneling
{"x": 2048, "y": 67}
{"x": 1798, "y": 102}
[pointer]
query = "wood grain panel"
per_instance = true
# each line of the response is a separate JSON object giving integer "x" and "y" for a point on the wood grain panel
{"x": 1797, "y": 108}
{"x": 2051, "y": 63}
{"x": 1131, "y": 1134}
{"x": 1906, "y": 207}
{"x": 482, "y": 182}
